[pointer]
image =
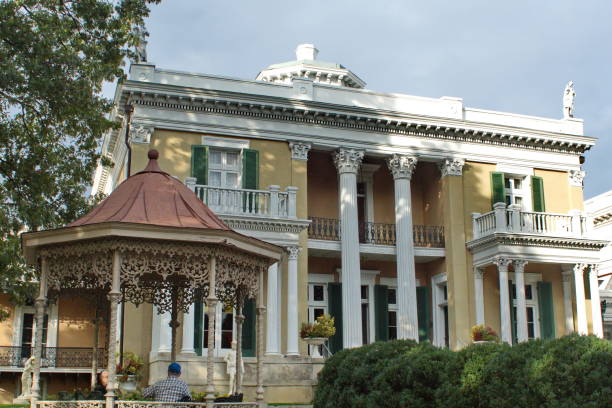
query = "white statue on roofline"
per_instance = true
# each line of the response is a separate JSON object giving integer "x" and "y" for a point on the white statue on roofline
{"x": 569, "y": 94}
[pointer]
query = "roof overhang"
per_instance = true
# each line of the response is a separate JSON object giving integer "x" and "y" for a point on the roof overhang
{"x": 32, "y": 241}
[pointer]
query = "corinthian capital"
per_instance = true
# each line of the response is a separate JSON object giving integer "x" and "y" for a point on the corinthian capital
{"x": 576, "y": 177}
{"x": 402, "y": 166}
{"x": 140, "y": 133}
{"x": 299, "y": 151}
{"x": 502, "y": 263}
{"x": 452, "y": 167}
{"x": 348, "y": 160}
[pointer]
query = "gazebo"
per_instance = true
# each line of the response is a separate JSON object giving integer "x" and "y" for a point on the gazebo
{"x": 152, "y": 241}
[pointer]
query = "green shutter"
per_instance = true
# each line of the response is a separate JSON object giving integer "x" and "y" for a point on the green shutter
{"x": 547, "y": 312}
{"x": 199, "y": 163}
{"x": 537, "y": 194}
{"x": 423, "y": 312}
{"x": 334, "y": 291}
{"x": 250, "y": 177}
{"x": 198, "y": 329}
{"x": 381, "y": 310}
{"x": 513, "y": 324}
{"x": 250, "y": 167}
{"x": 248, "y": 328}
{"x": 498, "y": 191}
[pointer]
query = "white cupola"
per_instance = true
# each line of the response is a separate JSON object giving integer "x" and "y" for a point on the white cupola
{"x": 306, "y": 66}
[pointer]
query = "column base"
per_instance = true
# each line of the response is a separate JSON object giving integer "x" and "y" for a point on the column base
{"x": 273, "y": 354}
{"x": 188, "y": 352}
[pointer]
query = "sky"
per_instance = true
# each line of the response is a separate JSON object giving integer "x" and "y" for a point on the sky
{"x": 514, "y": 56}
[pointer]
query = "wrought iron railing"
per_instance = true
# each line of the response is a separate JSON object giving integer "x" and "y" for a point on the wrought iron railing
{"x": 54, "y": 357}
{"x": 376, "y": 233}
{"x": 142, "y": 404}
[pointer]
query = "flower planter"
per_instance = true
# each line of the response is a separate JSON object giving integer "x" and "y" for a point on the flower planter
{"x": 128, "y": 383}
{"x": 482, "y": 341}
{"x": 316, "y": 342}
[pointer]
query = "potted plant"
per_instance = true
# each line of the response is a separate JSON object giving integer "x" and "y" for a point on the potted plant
{"x": 127, "y": 372}
{"x": 484, "y": 334}
{"x": 317, "y": 333}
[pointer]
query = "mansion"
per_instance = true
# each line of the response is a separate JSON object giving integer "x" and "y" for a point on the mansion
{"x": 403, "y": 217}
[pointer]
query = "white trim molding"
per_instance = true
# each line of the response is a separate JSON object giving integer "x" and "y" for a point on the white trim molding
{"x": 225, "y": 142}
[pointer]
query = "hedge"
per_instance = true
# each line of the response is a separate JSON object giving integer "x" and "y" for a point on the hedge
{"x": 567, "y": 372}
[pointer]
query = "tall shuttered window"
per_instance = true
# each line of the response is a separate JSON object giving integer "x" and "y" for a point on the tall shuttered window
{"x": 224, "y": 329}
{"x": 317, "y": 305}
{"x": 531, "y": 301}
{"x": 424, "y": 313}
{"x": 525, "y": 191}
{"x": 334, "y": 291}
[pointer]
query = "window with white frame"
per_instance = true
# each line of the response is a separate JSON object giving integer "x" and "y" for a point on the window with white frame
{"x": 392, "y": 302}
{"x": 317, "y": 300}
{"x": 224, "y": 168}
{"x": 440, "y": 310}
{"x": 531, "y": 301}
{"x": 514, "y": 187}
{"x": 224, "y": 328}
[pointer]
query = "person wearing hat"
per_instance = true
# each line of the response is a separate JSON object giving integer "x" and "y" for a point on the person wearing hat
{"x": 171, "y": 389}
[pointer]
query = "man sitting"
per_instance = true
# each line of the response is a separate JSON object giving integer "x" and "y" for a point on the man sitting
{"x": 171, "y": 389}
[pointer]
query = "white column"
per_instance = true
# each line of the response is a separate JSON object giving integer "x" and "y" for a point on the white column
{"x": 273, "y": 309}
{"x": 402, "y": 167}
{"x": 580, "y": 299}
{"x": 292, "y": 302}
{"x": 479, "y": 295}
{"x": 567, "y": 298}
{"x": 595, "y": 302}
{"x": 188, "y": 330}
{"x": 165, "y": 333}
{"x": 521, "y": 306}
{"x": 347, "y": 162}
{"x": 504, "y": 299}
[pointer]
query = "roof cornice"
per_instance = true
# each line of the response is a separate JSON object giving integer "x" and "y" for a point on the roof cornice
{"x": 354, "y": 118}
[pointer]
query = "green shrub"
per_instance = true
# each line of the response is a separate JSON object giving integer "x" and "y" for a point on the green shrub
{"x": 347, "y": 377}
{"x": 568, "y": 372}
{"x": 574, "y": 371}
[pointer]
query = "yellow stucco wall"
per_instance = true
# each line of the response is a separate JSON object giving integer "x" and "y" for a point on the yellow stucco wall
{"x": 6, "y": 326}
{"x": 76, "y": 327}
{"x": 556, "y": 190}
{"x": 322, "y": 186}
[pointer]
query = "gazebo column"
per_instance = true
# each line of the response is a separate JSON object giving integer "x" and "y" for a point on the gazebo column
{"x": 239, "y": 320}
{"x": 261, "y": 310}
{"x": 114, "y": 297}
{"x": 41, "y": 302}
{"x": 174, "y": 324}
{"x": 211, "y": 303}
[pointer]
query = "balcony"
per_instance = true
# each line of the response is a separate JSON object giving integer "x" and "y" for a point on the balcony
{"x": 52, "y": 357}
{"x": 512, "y": 220}
{"x": 541, "y": 237}
{"x": 328, "y": 229}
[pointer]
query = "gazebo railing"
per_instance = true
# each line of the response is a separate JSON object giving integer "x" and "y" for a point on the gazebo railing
{"x": 141, "y": 404}
{"x": 52, "y": 357}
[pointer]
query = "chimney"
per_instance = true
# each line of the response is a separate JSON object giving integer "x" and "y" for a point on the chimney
{"x": 306, "y": 52}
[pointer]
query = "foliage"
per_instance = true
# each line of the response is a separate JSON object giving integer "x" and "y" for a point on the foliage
{"x": 54, "y": 58}
{"x": 132, "y": 364}
{"x": 323, "y": 327}
{"x": 567, "y": 372}
{"x": 131, "y": 395}
{"x": 484, "y": 333}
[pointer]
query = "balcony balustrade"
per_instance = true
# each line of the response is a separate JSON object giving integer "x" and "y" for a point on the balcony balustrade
{"x": 511, "y": 219}
{"x": 376, "y": 233}
{"x": 271, "y": 203}
{"x": 52, "y": 357}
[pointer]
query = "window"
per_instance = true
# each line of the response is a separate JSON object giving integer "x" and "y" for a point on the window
{"x": 224, "y": 169}
{"x": 317, "y": 306}
{"x": 513, "y": 187}
{"x": 365, "y": 314}
{"x": 224, "y": 328}
{"x": 440, "y": 310}
{"x": 531, "y": 301}
{"x": 392, "y": 300}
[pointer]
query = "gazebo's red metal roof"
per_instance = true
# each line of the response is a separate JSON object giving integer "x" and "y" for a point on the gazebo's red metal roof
{"x": 153, "y": 197}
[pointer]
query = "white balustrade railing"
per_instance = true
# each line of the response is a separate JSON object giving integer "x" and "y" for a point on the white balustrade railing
{"x": 511, "y": 219}
{"x": 271, "y": 203}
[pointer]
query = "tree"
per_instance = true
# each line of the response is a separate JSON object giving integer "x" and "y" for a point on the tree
{"x": 54, "y": 57}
